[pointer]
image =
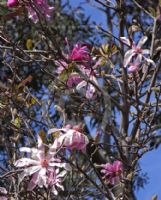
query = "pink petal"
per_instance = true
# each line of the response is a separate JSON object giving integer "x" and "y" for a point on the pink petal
{"x": 133, "y": 68}
{"x": 12, "y": 3}
{"x": 33, "y": 182}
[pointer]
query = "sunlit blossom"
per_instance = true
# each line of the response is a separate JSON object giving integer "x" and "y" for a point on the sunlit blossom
{"x": 136, "y": 52}
{"x": 80, "y": 53}
{"x": 41, "y": 166}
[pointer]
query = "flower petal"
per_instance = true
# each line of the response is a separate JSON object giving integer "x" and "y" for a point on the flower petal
{"x": 128, "y": 56}
{"x": 33, "y": 182}
{"x": 23, "y": 162}
{"x": 125, "y": 41}
{"x": 142, "y": 41}
{"x": 81, "y": 84}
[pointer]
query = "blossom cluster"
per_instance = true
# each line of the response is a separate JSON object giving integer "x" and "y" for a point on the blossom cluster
{"x": 35, "y": 8}
{"x": 44, "y": 165}
{"x": 83, "y": 60}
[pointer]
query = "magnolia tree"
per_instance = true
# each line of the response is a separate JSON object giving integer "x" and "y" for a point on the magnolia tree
{"x": 80, "y": 101}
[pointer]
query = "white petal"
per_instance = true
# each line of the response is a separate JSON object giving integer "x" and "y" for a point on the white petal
{"x": 142, "y": 41}
{"x": 62, "y": 174}
{"x": 54, "y": 191}
{"x": 128, "y": 56}
{"x": 25, "y": 149}
{"x": 125, "y": 41}
{"x": 53, "y": 130}
{"x": 60, "y": 186}
{"x": 25, "y": 162}
{"x": 81, "y": 84}
{"x": 150, "y": 61}
{"x": 42, "y": 178}
{"x": 62, "y": 165}
{"x": 31, "y": 170}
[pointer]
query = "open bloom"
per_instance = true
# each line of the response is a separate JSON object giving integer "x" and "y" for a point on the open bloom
{"x": 41, "y": 166}
{"x": 12, "y": 3}
{"x": 136, "y": 52}
{"x": 69, "y": 138}
{"x": 112, "y": 172}
{"x": 80, "y": 53}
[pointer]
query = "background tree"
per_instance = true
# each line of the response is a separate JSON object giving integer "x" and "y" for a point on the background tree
{"x": 61, "y": 71}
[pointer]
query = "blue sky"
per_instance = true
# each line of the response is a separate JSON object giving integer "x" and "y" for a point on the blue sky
{"x": 151, "y": 162}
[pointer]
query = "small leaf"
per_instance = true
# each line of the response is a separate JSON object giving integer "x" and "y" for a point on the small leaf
{"x": 16, "y": 122}
{"x": 160, "y": 2}
{"x": 29, "y": 44}
{"x": 42, "y": 135}
{"x": 25, "y": 81}
{"x": 66, "y": 72}
{"x": 56, "y": 134}
{"x": 114, "y": 49}
{"x": 155, "y": 89}
{"x": 153, "y": 12}
{"x": 154, "y": 197}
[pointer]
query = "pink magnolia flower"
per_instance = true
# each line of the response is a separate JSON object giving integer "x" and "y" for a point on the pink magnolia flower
{"x": 70, "y": 138}
{"x": 136, "y": 52}
{"x": 112, "y": 172}
{"x": 80, "y": 53}
{"x": 41, "y": 166}
{"x": 12, "y": 3}
{"x": 35, "y": 8}
{"x": 40, "y": 7}
{"x": 74, "y": 78}
{"x": 3, "y": 191}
